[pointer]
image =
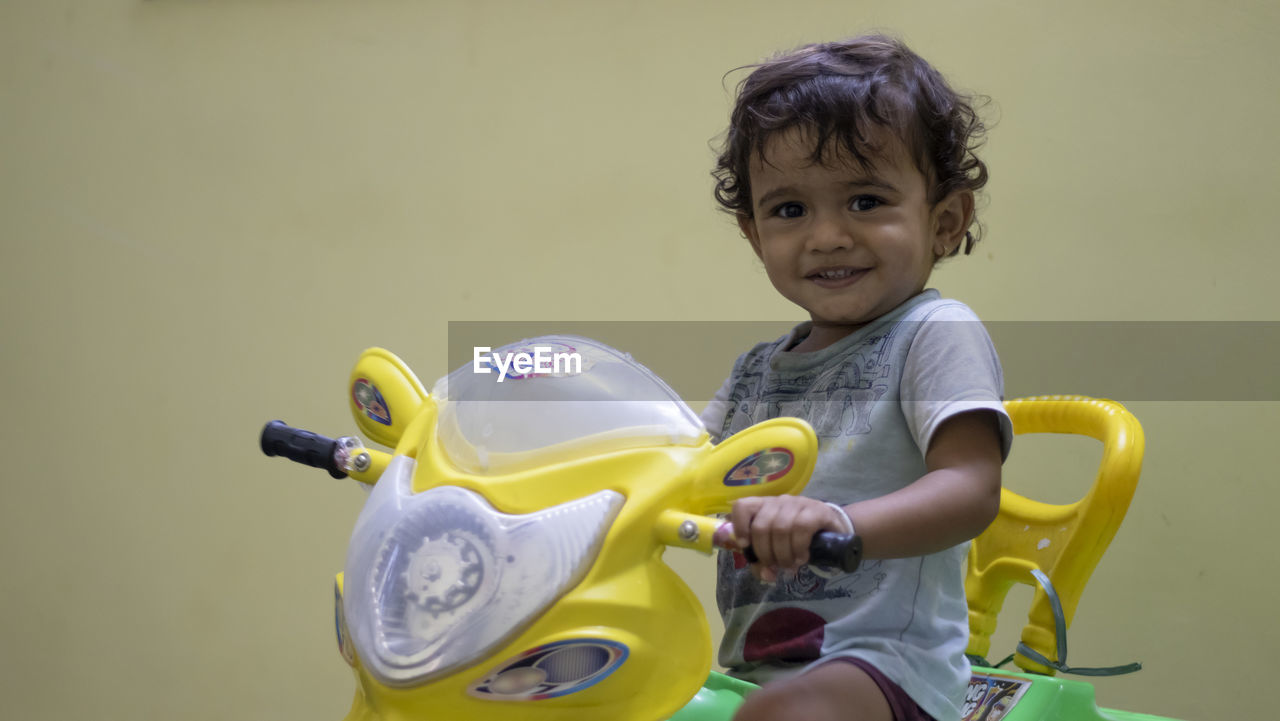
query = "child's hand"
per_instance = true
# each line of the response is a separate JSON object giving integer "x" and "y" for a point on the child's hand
{"x": 779, "y": 530}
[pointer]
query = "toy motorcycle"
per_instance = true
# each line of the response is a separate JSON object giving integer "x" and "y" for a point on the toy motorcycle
{"x": 508, "y": 561}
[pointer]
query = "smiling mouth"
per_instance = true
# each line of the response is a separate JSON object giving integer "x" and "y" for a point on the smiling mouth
{"x": 836, "y": 277}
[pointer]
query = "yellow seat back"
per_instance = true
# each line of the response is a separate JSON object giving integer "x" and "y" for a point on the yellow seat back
{"x": 1065, "y": 542}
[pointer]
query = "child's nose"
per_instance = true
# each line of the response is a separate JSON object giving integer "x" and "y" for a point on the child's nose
{"x": 831, "y": 234}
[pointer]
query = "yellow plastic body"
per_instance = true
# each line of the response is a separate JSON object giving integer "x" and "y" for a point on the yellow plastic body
{"x": 629, "y": 596}
{"x": 1063, "y": 541}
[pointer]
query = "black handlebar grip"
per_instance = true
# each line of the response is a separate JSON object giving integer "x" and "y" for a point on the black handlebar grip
{"x": 833, "y": 550}
{"x": 305, "y": 447}
{"x": 836, "y": 550}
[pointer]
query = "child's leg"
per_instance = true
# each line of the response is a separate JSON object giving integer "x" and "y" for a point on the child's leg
{"x": 839, "y": 690}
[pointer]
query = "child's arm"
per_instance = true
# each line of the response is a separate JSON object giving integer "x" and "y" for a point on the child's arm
{"x": 953, "y": 502}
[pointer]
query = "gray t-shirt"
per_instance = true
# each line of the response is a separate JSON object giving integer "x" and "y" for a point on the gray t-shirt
{"x": 875, "y": 399}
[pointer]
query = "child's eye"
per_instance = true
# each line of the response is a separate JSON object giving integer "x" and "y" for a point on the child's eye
{"x": 789, "y": 210}
{"x": 863, "y": 203}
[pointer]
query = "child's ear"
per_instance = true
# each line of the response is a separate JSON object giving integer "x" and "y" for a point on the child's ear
{"x": 748, "y": 227}
{"x": 951, "y": 219}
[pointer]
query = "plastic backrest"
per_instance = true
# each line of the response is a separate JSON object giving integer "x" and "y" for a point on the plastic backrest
{"x": 1065, "y": 542}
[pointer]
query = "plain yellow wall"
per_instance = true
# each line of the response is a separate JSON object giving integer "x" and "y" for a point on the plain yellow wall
{"x": 208, "y": 209}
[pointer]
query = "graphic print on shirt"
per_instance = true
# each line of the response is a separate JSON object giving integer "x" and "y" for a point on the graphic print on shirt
{"x": 785, "y": 634}
{"x": 808, "y": 583}
{"x": 836, "y": 399}
{"x": 791, "y": 633}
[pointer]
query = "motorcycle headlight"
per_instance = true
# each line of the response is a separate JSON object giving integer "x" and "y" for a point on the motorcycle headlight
{"x": 438, "y": 579}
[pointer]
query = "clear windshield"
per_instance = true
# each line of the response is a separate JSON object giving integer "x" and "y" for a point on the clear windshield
{"x": 553, "y": 398}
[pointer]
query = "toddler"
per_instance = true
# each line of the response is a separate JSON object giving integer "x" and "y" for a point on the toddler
{"x": 850, "y": 168}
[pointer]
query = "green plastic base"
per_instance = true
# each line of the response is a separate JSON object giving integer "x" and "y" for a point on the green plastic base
{"x": 994, "y": 695}
{"x": 715, "y": 701}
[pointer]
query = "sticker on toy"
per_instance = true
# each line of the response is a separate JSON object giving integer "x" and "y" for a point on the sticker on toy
{"x": 369, "y": 400}
{"x": 990, "y": 698}
{"x": 760, "y": 467}
{"x": 551, "y": 670}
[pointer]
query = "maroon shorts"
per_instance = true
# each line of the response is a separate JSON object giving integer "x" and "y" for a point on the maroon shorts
{"x": 903, "y": 708}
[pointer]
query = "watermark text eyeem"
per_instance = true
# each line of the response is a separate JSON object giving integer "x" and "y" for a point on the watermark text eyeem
{"x": 540, "y": 360}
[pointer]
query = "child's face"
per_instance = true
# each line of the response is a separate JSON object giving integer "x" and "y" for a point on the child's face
{"x": 845, "y": 244}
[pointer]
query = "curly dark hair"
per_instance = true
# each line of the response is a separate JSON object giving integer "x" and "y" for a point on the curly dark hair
{"x": 840, "y": 93}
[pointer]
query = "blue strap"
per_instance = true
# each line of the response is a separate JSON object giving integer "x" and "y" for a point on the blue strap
{"x": 1060, "y": 628}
